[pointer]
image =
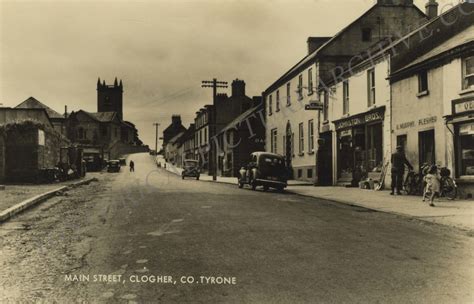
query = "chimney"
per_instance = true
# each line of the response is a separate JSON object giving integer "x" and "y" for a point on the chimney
{"x": 315, "y": 43}
{"x": 176, "y": 119}
{"x": 431, "y": 9}
{"x": 238, "y": 88}
{"x": 65, "y": 111}
{"x": 221, "y": 97}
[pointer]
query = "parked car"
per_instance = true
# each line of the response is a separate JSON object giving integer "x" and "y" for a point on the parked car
{"x": 191, "y": 168}
{"x": 264, "y": 169}
{"x": 113, "y": 166}
{"x": 123, "y": 161}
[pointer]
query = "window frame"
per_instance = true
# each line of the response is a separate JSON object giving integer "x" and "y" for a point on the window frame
{"x": 277, "y": 102}
{"x": 270, "y": 104}
{"x": 466, "y": 76}
{"x": 423, "y": 82}
{"x": 326, "y": 105}
{"x": 345, "y": 97}
{"x": 301, "y": 138}
{"x": 371, "y": 90}
{"x": 300, "y": 87}
{"x": 288, "y": 94}
{"x": 273, "y": 140}
{"x": 311, "y": 136}
{"x": 310, "y": 81}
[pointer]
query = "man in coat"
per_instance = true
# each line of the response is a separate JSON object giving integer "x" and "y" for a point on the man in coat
{"x": 399, "y": 161}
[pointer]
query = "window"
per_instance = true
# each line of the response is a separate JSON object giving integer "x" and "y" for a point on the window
{"x": 300, "y": 173}
{"x": 270, "y": 105}
{"x": 423, "y": 82}
{"x": 301, "y": 139}
{"x": 402, "y": 141}
{"x": 310, "y": 81}
{"x": 277, "y": 106}
{"x": 300, "y": 87}
{"x": 371, "y": 87}
{"x": 466, "y": 149}
{"x": 311, "y": 136}
{"x": 366, "y": 34}
{"x": 310, "y": 173}
{"x": 426, "y": 143}
{"x": 293, "y": 144}
{"x": 468, "y": 72}
{"x": 326, "y": 106}
{"x": 288, "y": 94}
{"x": 345, "y": 97}
{"x": 274, "y": 139}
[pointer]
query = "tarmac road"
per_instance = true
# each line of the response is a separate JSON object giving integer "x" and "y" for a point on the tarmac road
{"x": 214, "y": 243}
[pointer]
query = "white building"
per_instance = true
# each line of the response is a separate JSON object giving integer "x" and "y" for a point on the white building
{"x": 292, "y": 131}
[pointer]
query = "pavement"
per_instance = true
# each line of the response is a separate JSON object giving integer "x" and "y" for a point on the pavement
{"x": 17, "y": 198}
{"x": 457, "y": 213}
{"x": 150, "y": 237}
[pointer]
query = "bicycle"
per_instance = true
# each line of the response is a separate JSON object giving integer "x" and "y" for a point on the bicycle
{"x": 413, "y": 184}
{"x": 448, "y": 187}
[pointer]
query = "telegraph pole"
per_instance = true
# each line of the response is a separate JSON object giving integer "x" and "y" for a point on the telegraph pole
{"x": 214, "y": 84}
{"x": 156, "y": 137}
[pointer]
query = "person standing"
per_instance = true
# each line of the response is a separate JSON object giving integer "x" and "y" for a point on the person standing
{"x": 399, "y": 161}
{"x": 132, "y": 166}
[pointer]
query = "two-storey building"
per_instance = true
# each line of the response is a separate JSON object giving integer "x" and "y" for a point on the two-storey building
{"x": 292, "y": 131}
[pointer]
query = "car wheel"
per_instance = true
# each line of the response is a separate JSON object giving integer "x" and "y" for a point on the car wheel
{"x": 197, "y": 177}
{"x": 241, "y": 185}
{"x": 265, "y": 188}
{"x": 182, "y": 176}
{"x": 280, "y": 189}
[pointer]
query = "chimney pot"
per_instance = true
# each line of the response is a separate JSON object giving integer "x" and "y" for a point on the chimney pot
{"x": 432, "y": 9}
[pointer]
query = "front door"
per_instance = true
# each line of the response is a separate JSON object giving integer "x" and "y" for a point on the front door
{"x": 289, "y": 149}
{"x": 325, "y": 159}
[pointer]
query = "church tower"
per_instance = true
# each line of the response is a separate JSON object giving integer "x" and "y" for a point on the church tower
{"x": 110, "y": 97}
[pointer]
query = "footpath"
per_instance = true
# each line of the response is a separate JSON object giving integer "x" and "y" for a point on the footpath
{"x": 16, "y": 198}
{"x": 457, "y": 213}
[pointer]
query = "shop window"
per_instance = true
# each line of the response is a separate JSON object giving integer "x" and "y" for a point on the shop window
{"x": 371, "y": 87}
{"x": 300, "y": 173}
{"x": 466, "y": 149}
{"x": 277, "y": 105}
{"x": 301, "y": 139}
{"x": 345, "y": 155}
{"x": 423, "y": 82}
{"x": 468, "y": 72}
{"x": 426, "y": 143}
{"x": 374, "y": 147}
{"x": 402, "y": 141}
{"x": 310, "y": 173}
{"x": 345, "y": 96}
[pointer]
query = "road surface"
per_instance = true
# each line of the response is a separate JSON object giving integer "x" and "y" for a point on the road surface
{"x": 148, "y": 236}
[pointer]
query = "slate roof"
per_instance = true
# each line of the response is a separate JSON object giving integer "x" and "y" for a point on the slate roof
{"x": 33, "y": 103}
{"x": 239, "y": 119}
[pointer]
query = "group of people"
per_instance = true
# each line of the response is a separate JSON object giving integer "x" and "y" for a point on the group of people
{"x": 431, "y": 179}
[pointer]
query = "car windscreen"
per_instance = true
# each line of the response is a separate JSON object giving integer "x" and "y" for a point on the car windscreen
{"x": 271, "y": 161}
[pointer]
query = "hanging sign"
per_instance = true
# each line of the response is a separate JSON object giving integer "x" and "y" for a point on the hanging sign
{"x": 314, "y": 106}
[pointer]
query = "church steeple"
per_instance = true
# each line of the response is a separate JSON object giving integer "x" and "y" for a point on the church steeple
{"x": 115, "y": 82}
{"x": 98, "y": 82}
{"x": 110, "y": 97}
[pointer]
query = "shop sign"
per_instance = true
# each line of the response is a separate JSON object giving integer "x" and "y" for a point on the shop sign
{"x": 360, "y": 119}
{"x": 465, "y": 106}
{"x": 345, "y": 133}
{"x": 41, "y": 139}
{"x": 421, "y": 122}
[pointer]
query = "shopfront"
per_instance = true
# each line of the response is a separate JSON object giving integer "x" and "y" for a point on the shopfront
{"x": 359, "y": 145}
{"x": 463, "y": 121}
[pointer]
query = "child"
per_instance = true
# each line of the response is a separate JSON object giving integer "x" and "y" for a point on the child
{"x": 432, "y": 184}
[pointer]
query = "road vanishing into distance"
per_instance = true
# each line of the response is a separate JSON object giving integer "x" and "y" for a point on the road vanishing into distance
{"x": 150, "y": 237}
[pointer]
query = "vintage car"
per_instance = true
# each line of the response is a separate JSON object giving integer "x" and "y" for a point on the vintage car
{"x": 191, "y": 168}
{"x": 264, "y": 169}
{"x": 113, "y": 166}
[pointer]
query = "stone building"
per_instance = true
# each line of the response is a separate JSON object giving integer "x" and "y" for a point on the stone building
{"x": 298, "y": 134}
{"x": 29, "y": 144}
{"x": 58, "y": 120}
{"x": 173, "y": 129}
{"x": 110, "y": 97}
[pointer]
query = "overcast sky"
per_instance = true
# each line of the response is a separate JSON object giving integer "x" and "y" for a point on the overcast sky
{"x": 55, "y": 50}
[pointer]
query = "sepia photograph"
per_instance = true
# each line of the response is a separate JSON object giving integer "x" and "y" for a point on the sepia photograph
{"x": 237, "y": 151}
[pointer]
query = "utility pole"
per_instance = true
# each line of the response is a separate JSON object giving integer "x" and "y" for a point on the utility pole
{"x": 214, "y": 84}
{"x": 156, "y": 137}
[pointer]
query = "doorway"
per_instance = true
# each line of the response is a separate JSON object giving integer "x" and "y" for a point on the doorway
{"x": 325, "y": 159}
{"x": 426, "y": 144}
